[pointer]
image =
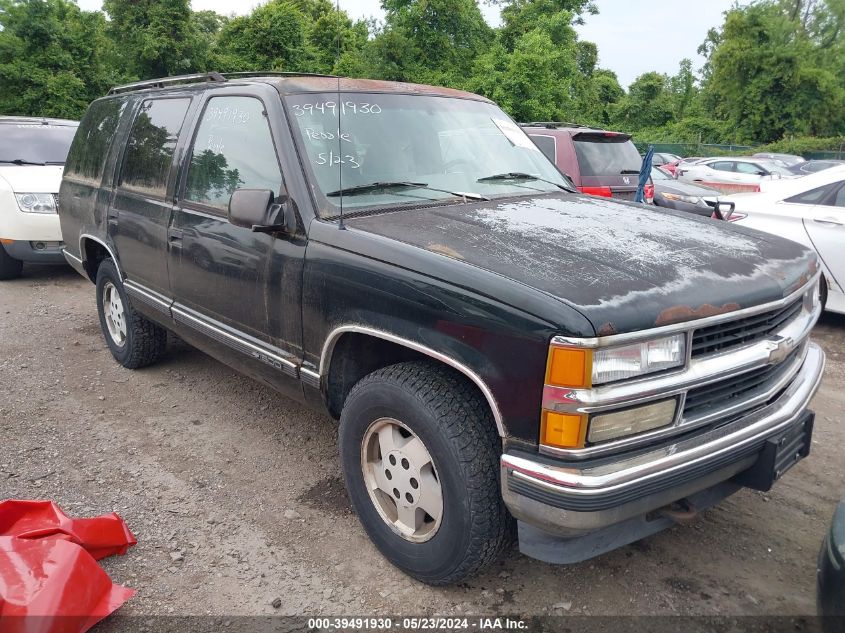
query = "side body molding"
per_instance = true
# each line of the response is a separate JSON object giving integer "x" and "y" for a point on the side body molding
{"x": 334, "y": 335}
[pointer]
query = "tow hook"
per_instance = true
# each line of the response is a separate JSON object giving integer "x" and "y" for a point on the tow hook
{"x": 681, "y": 511}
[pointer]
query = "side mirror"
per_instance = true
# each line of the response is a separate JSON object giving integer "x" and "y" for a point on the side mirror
{"x": 762, "y": 172}
{"x": 724, "y": 210}
{"x": 256, "y": 209}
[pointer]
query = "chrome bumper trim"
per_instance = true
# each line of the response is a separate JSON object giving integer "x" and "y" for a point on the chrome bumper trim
{"x": 570, "y": 479}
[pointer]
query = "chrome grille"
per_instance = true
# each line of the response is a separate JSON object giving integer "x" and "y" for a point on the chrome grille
{"x": 723, "y": 336}
{"x": 725, "y": 394}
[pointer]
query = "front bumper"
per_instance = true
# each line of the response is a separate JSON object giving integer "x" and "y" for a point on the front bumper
{"x": 36, "y": 252}
{"x": 573, "y": 498}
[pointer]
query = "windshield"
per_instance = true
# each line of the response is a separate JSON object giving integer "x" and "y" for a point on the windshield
{"x": 659, "y": 174}
{"x": 447, "y": 146}
{"x": 35, "y": 142}
{"x": 606, "y": 154}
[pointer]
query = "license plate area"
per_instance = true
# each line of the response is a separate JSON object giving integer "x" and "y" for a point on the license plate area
{"x": 779, "y": 455}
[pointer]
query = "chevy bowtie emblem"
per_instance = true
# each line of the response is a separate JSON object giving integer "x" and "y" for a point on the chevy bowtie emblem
{"x": 779, "y": 349}
{"x": 626, "y": 180}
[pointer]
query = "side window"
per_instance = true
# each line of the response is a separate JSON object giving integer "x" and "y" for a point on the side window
{"x": 722, "y": 166}
{"x": 748, "y": 168}
{"x": 814, "y": 196}
{"x": 546, "y": 145}
{"x": 87, "y": 156}
{"x": 151, "y": 143}
{"x": 233, "y": 149}
{"x": 839, "y": 200}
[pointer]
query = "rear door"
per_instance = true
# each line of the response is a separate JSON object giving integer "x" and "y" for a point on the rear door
{"x": 825, "y": 225}
{"x": 607, "y": 160}
{"x": 139, "y": 214}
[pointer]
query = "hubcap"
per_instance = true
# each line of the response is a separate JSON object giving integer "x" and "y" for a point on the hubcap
{"x": 402, "y": 480}
{"x": 114, "y": 313}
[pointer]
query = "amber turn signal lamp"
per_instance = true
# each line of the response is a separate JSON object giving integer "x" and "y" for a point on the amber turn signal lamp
{"x": 563, "y": 430}
{"x": 569, "y": 367}
{"x": 5, "y": 241}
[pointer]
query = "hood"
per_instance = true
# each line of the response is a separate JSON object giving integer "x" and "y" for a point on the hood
{"x": 684, "y": 188}
{"x": 32, "y": 178}
{"x": 625, "y": 267}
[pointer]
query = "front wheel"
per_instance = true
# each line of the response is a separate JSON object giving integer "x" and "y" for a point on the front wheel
{"x": 420, "y": 456}
{"x": 133, "y": 340}
{"x": 10, "y": 268}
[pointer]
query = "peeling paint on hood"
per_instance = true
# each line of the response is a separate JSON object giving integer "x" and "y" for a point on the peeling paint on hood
{"x": 626, "y": 267}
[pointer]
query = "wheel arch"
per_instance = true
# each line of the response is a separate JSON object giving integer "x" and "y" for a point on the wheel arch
{"x": 93, "y": 251}
{"x": 336, "y": 388}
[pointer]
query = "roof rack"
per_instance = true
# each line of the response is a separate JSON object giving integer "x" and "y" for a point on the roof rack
{"x": 551, "y": 124}
{"x": 210, "y": 77}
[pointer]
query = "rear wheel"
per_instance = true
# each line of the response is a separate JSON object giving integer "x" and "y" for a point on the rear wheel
{"x": 133, "y": 340}
{"x": 10, "y": 268}
{"x": 420, "y": 456}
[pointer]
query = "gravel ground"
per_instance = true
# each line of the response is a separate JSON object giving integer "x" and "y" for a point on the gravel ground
{"x": 235, "y": 496}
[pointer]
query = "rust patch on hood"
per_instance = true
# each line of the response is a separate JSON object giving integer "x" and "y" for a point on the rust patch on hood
{"x": 444, "y": 250}
{"x": 608, "y": 329}
{"x": 679, "y": 314}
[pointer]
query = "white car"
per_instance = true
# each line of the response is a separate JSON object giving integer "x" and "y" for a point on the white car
{"x": 732, "y": 174}
{"x": 32, "y": 157}
{"x": 809, "y": 210}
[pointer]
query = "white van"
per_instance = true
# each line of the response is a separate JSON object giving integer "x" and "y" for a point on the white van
{"x": 32, "y": 158}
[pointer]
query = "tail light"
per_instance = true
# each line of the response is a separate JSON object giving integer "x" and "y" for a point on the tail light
{"x": 603, "y": 192}
{"x": 648, "y": 193}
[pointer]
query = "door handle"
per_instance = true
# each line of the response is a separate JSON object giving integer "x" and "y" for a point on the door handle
{"x": 827, "y": 221}
{"x": 174, "y": 236}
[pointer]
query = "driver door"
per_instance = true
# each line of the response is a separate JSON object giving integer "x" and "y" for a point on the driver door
{"x": 825, "y": 225}
{"x": 223, "y": 276}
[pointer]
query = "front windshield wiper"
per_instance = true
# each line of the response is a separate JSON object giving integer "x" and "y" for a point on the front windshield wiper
{"x": 374, "y": 187}
{"x": 518, "y": 175}
{"x": 21, "y": 161}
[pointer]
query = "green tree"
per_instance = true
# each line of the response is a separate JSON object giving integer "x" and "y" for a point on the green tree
{"x": 273, "y": 37}
{"x": 156, "y": 38}
{"x": 53, "y": 58}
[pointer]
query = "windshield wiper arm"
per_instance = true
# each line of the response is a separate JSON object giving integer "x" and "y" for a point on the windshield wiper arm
{"x": 21, "y": 161}
{"x": 518, "y": 175}
{"x": 400, "y": 184}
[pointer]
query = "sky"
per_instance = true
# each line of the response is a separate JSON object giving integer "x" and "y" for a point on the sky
{"x": 633, "y": 36}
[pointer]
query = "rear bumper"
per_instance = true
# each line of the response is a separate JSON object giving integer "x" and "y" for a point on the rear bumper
{"x": 573, "y": 498}
{"x": 36, "y": 252}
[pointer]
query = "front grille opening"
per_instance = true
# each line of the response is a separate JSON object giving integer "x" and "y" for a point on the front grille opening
{"x": 723, "y": 336}
{"x": 726, "y": 393}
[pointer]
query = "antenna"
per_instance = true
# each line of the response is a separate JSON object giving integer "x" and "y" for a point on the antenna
{"x": 339, "y": 109}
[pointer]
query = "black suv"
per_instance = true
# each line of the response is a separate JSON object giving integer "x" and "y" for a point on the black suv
{"x": 494, "y": 344}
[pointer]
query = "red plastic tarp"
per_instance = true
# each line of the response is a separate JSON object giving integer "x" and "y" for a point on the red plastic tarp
{"x": 50, "y": 581}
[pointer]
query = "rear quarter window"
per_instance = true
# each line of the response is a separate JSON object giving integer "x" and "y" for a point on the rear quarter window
{"x": 87, "y": 156}
{"x": 547, "y": 145}
{"x": 152, "y": 141}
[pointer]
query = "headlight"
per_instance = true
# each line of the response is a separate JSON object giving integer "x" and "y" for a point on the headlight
{"x": 679, "y": 198}
{"x": 638, "y": 359}
{"x": 36, "y": 202}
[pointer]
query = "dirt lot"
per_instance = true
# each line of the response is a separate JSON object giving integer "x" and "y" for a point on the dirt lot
{"x": 234, "y": 492}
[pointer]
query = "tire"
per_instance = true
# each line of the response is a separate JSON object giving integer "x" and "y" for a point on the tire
{"x": 133, "y": 340}
{"x": 456, "y": 429}
{"x": 10, "y": 268}
{"x": 823, "y": 292}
